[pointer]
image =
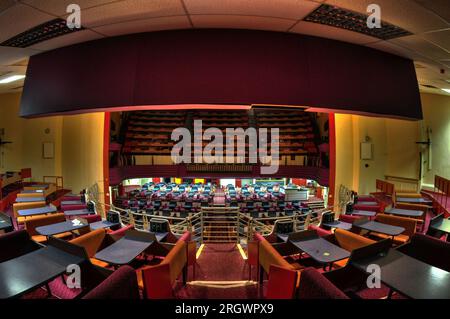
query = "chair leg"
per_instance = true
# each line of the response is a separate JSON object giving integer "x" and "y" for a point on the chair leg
{"x": 49, "y": 292}
{"x": 261, "y": 275}
{"x": 391, "y": 292}
{"x": 184, "y": 275}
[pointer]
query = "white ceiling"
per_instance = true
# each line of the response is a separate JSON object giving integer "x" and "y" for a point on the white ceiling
{"x": 428, "y": 20}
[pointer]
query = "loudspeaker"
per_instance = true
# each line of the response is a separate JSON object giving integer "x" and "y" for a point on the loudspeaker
{"x": 349, "y": 208}
{"x": 90, "y": 206}
{"x": 159, "y": 226}
{"x": 285, "y": 227}
{"x": 328, "y": 217}
{"x": 113, "y": 217}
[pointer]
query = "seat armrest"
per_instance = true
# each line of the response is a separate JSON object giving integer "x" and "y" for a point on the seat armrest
{"x": 347, "y": 278}
{"x": 286, "y": 249}
{"x": 159, "y": 249}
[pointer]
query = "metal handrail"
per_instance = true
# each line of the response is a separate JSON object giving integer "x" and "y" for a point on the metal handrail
{"x": 246, "y": 225}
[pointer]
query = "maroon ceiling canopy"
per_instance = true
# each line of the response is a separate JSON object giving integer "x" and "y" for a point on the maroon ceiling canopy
{"x": 217, "y": 66}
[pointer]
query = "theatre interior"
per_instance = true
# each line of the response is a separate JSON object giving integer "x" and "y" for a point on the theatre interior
{"x": 337, "y": 188}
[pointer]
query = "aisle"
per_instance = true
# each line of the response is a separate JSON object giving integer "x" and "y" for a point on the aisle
{"x": 221, "y": 272}
{"x": 219, "y": 198}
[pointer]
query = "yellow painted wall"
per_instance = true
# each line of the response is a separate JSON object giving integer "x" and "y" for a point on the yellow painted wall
{"x": 436, "y": 110}
{"x": 402, "y": 150}
{"x": 28, "y": 136}
{"x": 78, "y": 143}
{"x": 82, "y": 156}
{"x": 344, "y": 150}
{"x": 394, "y": 150}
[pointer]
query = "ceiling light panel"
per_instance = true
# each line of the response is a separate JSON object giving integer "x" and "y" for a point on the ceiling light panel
{"x": 46, "y": 31}
{"x": 353, "y": 21}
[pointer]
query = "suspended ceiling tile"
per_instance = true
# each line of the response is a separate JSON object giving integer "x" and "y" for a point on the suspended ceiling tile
{"x": 10, "y": 55}
{"x": 5, "y": 4}
{"x": 128, "y": 10}
{"x": 145, "y": 25}
{"x": 440, "y": 7}
{"x": 59, "y": 7}
{"x": 12, "y": 69}
{"x": 241, "y": 22}
{"x": 440, "y": 38}
{"x": 20, "y": 18}
{"x": 66, "y": 40}
{"x": 393, "y": 48}
{"x": 325, "y": 31}
{"x": 423, "y": 47}
{"x": 406, "y": 14}
{"x": 289, "y": 9}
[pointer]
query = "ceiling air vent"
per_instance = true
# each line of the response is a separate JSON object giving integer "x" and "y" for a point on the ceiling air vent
{"x": 43, "y": 32}
{"x": 429, "y": 86}
{"x": 419, "y": 66}
{"x": 353, "y": 21}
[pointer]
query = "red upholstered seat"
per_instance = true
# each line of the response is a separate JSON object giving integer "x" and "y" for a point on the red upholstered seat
{"x": 320, "y": 231}
{"x": 122, "y": 284}
{"x": 15, "y": 244}
{"x": 121, "y": 232}
{"x": 65, "y": 208}
{"x": 348, "y": 218}
{"x": 376, "y": 209}
{"x": 314, "y": 285}
{"x": 91, "y": 218}
{"x": 428, "y": 249}
{"x": 282, "y": 283}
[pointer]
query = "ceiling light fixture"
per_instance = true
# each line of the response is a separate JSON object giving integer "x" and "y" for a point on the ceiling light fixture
{"x": 11, "y": 78}
{"x": 354, "y": 21}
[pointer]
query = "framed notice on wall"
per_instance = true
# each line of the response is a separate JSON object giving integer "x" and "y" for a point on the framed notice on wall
{"x": 366, "y": 151}
{"x": 48, "y": 150}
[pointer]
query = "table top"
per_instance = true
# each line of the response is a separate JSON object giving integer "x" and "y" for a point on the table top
{"x": 442, "y": 225}
{"x": 78, "y": 212}
{"x": 28, "y": 272}
{"x": 40, "y": 185}
{"x": 102, "y": 224}
{"x": 127, "y": 248}
{"x": 381, "y": 228}
{"x": 409, "y": 276}
{"x": 321, "y": 250}
{"x": 5, "y": 221}
{"x": 59, "y": 228}
{"x": 404, "y": 212}
{"x": 363, "y": 213}
{"x": 338, "y": 224}
{"x": 72, "y": 202}
{"x": 366, "y": 203}
{"x": 37, "y": 191}
{"x": 37, "y": 211}
{"x": 29, "y": 199}
{"x": 283, "y": 237}
{"x": 414, "y": 200}
{"x": 161, "y": 236}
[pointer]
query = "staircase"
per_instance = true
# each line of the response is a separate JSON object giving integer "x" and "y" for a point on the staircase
{"x": 220, "y": 225}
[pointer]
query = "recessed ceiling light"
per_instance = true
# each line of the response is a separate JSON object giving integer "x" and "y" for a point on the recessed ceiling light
{"x": 446, "y": 90}
{"x": 11, "y": 78}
